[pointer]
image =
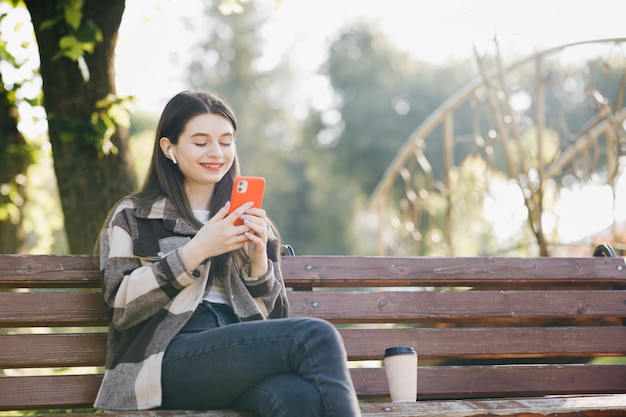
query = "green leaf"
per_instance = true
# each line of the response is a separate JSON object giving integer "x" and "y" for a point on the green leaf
{"x": 71, "y": 47}
{"x": 48, "y": 24}
{"x": 89, "y": 32}
{"x": 73, "y": 13}
{"x": 120, "y": 115}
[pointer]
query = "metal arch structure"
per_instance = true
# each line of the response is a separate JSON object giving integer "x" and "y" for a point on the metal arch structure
{"x": 400, "y": 199}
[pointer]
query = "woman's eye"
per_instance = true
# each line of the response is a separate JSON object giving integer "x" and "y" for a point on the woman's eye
{"x": 226, "y": 143}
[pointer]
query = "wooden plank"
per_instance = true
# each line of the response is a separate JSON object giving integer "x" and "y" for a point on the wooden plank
{"x": 361, "y": 271}
{"x": 351, "y": 271}
{"x": 59, "y": 350}
{"x": 52, "y": 350}
{"x": 569, "y": 406}
{"x": 483, "y": 343}
{"x": 51, "y": 309}
{"x": 43, "y": 392}
{"x": 462, "y": 306}
{"x": 169, "y": 413}
{"x": 449, "y": 382}
{"x": 86, "y": 309}
{"x": 49, "y": 270}
{"x": 433, "y": 382}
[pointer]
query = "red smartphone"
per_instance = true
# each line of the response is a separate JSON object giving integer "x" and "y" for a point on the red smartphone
{"x": 247, "y": 189}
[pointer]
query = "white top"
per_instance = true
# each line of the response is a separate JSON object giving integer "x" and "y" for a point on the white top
{"x": 217, "y": 293}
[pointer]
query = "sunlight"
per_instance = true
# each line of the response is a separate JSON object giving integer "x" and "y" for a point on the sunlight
{"x": 505, "y": 209}
{"x": 583, "y": 210}
{"x": 299, "y": 30}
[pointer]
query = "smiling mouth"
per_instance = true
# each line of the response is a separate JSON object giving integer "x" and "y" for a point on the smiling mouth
{"x": 212, "y": 166}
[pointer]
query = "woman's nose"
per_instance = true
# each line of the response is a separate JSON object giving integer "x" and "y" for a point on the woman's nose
{"x": 214, "y": 149}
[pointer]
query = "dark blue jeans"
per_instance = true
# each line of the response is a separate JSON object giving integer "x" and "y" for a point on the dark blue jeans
{"x": 288, "y": 367}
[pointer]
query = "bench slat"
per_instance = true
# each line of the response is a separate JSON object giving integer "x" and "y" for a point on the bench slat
{"x": 586, "y": 406}
{"x": 476, "y": 343}
{"x": 462, "y": 306}
{"x": 86, "y": 309}
{"x": 49, "y": 271}
{"x": 447, "y": 382}
{"x": 61, "y": 350}
{"x": 433, "y": 382}
{"x": 360, "y": 271}
{"x": 175, "y": 413}
{"x": 52, "y": 350}
{"x": 39, "y": 392}
{"x": 51, "y": 309}
{"x": 353, "y": 271}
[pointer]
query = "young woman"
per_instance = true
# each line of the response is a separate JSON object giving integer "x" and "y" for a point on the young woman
{"x": 197, "y": 304}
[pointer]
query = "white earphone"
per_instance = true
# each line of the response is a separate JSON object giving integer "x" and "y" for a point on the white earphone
{"x": 173, "y": 157}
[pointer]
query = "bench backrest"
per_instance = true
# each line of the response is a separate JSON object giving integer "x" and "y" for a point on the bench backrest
{"x": 482, "y": 327}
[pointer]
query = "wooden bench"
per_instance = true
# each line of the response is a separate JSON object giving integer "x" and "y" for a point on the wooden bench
{"x": 495, "y": 336}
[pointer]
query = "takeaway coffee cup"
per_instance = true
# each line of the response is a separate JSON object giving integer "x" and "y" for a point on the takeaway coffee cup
{"x": 401, "y": 368}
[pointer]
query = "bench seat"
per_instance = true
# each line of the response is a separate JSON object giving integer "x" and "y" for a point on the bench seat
{"x": 495, "y": 336}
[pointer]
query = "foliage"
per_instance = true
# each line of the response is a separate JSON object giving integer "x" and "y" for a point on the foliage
{"x": 45, "y": 233}
{"x": 110, "y": 113}
{"x": 85, "y": 120}
{"x": 383, "y": 94}
{"x": 268, "y": 141}
{"x": 83, "y": 34}
{"x": 18, "y": 147}
{"x": 320, "y": 176}
{"x": 42, "y": 225}
{"x": 321, "y": 170}
{"x": 537, "y": 126}
{"x": 141, "y": 147}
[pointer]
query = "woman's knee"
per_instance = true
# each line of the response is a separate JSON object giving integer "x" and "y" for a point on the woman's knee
{"x": 324, "y": 332}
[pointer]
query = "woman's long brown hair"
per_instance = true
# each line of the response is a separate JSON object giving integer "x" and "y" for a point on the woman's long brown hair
{"x": 165, "y": 179}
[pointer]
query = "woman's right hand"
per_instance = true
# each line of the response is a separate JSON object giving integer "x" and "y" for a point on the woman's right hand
{"x": 219, "y": 235}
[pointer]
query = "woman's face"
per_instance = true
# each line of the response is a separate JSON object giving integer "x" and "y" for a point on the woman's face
{"x": 205, "y": 151}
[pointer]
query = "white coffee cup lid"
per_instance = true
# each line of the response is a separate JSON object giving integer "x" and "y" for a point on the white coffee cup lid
{"x": 400, "y": 350}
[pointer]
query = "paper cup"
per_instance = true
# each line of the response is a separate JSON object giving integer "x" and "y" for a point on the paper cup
{"x": 401, "y": 368}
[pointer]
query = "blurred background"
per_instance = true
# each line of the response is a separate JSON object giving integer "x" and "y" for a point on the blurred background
{"x": 396, "y": 127}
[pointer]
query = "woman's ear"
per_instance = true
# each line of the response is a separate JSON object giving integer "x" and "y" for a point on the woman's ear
{"x": 167, "y": 148}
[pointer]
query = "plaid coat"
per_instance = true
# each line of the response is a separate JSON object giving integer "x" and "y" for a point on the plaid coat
{"x": 149, "y": 296}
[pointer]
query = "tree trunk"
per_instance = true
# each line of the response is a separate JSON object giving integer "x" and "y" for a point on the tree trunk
{"x": 90, "y": 181}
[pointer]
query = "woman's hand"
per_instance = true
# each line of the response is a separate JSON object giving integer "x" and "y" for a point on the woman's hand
{"x": 256, "y": 220}
{"x": 220, "y": 235}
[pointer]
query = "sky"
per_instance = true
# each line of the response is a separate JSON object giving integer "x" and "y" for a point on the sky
{"x": 155, "y": 42}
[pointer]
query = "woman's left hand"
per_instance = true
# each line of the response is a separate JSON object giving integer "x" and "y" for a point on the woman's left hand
{"x": 257, "y": 234}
